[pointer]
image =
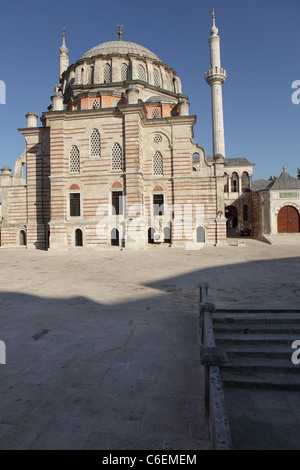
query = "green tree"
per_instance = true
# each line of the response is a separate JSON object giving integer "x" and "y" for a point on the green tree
{"x": 298, "y": 173}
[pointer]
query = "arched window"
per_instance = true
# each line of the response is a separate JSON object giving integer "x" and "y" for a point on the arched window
{"x": 74, "y": 160}
{"x": 95, "y": 143}
{"x": 245, "y": 181}
{"x": 245, "y": 213}
{"x": 78, "y": 237}
{"x": 155, "y": 113}
{"x": 156, "y": 78}
{"x": 234, "y": 182}
{"x": 124, "y": 72}
{"x": 116, "y": 157}
{"x": 107, "y": 73}
{"x": 141, "y": 73}
{"x": 157, "y": 163}
{"x": 91, "y": 75}
{"x": 96, "y": 104}
{"x": 82, "y": 76}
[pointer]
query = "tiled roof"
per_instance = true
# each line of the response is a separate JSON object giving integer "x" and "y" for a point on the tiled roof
{"x": 285, "y": 181}
{"x": 237, "y": 162}
{"x": 260, "y": 185}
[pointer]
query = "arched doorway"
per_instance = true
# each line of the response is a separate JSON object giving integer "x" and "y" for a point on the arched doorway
{"x": 115, "y": 237}
{"x": 78, "y": 237}
{"x": 151, "y": 233}
{"x": 22, "y": 238}
{"x": 231, "y": 215}
{"x": 288, "y": 220}
{"x": 200, "y": 233}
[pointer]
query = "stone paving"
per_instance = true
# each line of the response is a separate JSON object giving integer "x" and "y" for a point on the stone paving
{"x": 103, "y": 346}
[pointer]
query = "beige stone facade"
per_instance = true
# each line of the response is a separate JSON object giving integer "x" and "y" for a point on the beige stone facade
{"x": 114, "y": 161}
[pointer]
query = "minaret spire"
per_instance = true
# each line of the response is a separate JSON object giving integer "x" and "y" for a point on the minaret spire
{"x": 63, "y": 58}
{"x": 215, "y": 77}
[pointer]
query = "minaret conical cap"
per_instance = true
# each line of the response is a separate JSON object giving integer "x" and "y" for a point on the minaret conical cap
{"x": 214, "y": 30}
{"x": 64, "y": 49}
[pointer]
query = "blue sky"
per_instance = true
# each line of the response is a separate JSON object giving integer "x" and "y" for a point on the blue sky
{"x": 259, "y": 49}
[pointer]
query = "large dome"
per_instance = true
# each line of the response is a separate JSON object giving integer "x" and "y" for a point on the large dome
{"x": 120, "y": 47}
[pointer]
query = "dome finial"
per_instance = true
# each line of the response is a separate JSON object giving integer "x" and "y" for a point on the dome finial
{"x": 284, "y": 168}
{"x": 120, "y": 33}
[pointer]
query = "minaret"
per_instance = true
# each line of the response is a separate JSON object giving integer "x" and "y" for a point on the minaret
{"x": 215, "y": 77}
{"x": 63, "y": 58}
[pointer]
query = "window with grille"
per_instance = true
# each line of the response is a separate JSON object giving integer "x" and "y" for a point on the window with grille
{"x": 155, "y": 113}
{"x": 96, "y": 104}
{"x": 157, "y": 163}
{"x": 95, "y": 144}
{"x": 116, "y": 157}
{"x": 107, "y": 73}
{"x": 78, "y": 107}
{"x": 116, "y": 201}
{"x": 234, "y": 182}
{"x": 157, "y": 139}
{"x": 74, "y": 160}
{"x": 91, "y": 75}
{"x": 245, "y": 181}
{"x": 141, "y": 73}
{"x": 156, "y": 78}
{"x": 75, "y": 204}
{"x": 158, "y": 204}
{"x": 124, "y": 72}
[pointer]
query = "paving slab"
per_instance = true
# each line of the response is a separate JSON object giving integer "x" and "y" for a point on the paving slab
{"x": 103, "y": 346}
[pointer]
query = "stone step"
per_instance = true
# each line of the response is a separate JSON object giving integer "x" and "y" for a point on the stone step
{"x": 283, "y": 328}
{"x": 254, "y": 338}
{"x": 246, "y": 366}
{"x": 267, "y": 381}
{"x": 258, "y": 350}
{"x": 258, "y": 318}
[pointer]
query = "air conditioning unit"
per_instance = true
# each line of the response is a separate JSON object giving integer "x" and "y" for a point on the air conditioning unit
{"x": 158, "y": 238}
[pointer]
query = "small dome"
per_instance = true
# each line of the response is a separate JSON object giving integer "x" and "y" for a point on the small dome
{"x": 122, "y": 48}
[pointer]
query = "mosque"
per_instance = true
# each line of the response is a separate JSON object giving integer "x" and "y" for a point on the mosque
{"x": 114, "y": 162}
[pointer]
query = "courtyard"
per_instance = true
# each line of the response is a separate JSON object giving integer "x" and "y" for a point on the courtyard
{"x": 102, "y": 347}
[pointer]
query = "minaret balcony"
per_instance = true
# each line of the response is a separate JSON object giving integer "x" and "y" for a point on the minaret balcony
{"x": 216, "y": 74}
